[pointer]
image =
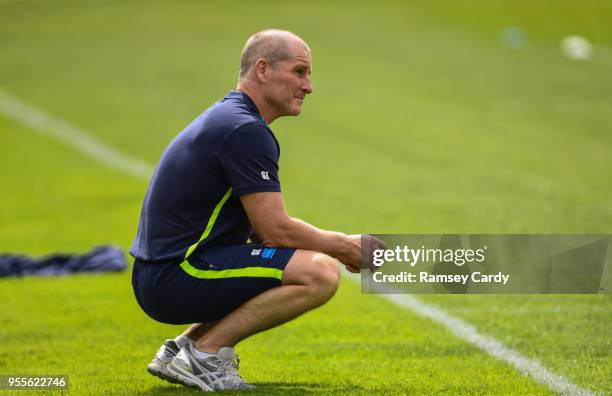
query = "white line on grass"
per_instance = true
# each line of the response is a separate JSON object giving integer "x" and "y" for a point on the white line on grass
{"x": 72, "y": 136}
{"x": 105, "y": 154}
{"x": 488, "y": 344}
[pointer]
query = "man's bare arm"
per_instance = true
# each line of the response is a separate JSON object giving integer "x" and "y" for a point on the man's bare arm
{"x": 272, "y": 223}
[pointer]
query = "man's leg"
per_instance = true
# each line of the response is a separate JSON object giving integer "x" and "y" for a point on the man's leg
{"x": 197, "y": 330}
{"x": 309, "y": 280}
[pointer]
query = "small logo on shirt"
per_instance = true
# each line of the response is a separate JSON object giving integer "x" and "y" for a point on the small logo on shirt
{"x": 255, "y": 252}
{"x": 268, "y": 253}
{"x": 264, "y": 175}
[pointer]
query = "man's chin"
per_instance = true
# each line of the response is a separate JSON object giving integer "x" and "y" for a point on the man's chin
{"x": 295, "y": 111}
{"x": 292, "y": 111}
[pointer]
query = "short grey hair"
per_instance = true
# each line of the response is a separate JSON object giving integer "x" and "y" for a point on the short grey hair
{"x": 271, "y": 45}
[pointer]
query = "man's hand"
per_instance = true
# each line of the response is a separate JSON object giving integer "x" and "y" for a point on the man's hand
{"x": 360, "y": 252}
{"x": 351, "y": 257}
{"x": 368, "y": 245}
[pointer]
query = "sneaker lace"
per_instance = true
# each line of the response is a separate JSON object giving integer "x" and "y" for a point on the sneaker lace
{"x": 230, "y": 369}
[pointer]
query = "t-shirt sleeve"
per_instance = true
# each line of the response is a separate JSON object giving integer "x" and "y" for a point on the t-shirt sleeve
{"x": 249, "y": 157}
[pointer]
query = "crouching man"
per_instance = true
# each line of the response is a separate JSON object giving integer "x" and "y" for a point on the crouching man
{"x": 215, "y": 187}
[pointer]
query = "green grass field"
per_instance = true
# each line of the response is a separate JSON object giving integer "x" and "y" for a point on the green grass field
{"x": 422, "y": 121}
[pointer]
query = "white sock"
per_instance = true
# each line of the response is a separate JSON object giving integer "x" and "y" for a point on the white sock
{"x": 201, "y": 355}
{"x": 181, "y": 341}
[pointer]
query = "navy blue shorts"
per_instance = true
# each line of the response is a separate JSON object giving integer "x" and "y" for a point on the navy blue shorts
{"x": 210, "y": 286}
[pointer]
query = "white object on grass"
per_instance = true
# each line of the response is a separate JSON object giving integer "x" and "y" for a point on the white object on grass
{"x": 576, "y": 48}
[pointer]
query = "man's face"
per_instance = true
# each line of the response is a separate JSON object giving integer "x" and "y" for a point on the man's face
{"x": 289, "y": 82}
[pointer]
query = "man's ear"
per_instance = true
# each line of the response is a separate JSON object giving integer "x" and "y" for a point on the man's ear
{"x": 262, "y": 68}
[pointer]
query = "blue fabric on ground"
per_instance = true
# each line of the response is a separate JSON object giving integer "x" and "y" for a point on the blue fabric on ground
{"x": 99, "y": 259}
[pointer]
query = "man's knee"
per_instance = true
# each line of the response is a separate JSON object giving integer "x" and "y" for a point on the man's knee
{"x": 316, "y": 270}
{"x": 328, "y": 275}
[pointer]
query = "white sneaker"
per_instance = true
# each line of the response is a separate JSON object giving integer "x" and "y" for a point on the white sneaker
{"x": 211, "y": 374}
{"x": 164, "y": 355}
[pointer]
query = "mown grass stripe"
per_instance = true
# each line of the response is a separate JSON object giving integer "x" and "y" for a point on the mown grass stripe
{"x": 488, "y": 344}
{"x": 83, "y": 142}
{"x": 72, "y": 136}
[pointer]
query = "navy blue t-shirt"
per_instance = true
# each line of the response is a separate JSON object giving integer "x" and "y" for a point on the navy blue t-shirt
{"x": 192, "y": 201}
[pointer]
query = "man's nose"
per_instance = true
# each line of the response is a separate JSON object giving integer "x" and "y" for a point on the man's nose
{"x": 307, "y": 86}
